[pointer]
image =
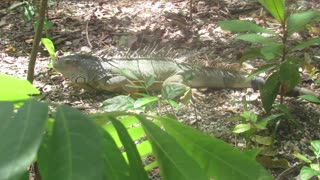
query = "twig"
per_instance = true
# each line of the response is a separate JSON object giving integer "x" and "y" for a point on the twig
{"x": 87, "y": 34}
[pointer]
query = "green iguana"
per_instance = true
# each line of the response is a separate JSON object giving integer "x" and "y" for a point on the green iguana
{"x": 116, "y": 73}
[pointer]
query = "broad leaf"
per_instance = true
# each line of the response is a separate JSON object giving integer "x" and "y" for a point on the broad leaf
{"x": 116, "y": 167}
{"x": 118, "y": 103}
{"x": 298, "y": 21}
{"x": 253, "y": 52}
{"x": 13, "y": 89}
{"x": 306, "y": 173}
{"x": 289, "y": 76}
{"x": 216, "y": 157}
{"x": 20, "y": 137}
{"x": 307, "y": 43}
{"x": 135, "y": 164}
{"x": 75, "y": 147}
{"x": 256, "y": 38}
{"x": 174, "y": 162}
{"x": 240, "y": 128}
{"x": 276, "y": 8}
{"x": 243, "y": 26}
{"x": 269, "y": 91}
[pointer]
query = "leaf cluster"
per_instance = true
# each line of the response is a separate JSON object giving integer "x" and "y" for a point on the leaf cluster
{"x": 273, "y": 47}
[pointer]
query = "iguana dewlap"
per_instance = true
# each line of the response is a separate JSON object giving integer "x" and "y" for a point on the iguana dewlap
{"x": 115, "y": 74}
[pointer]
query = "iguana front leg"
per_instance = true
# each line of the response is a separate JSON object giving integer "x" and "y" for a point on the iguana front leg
{"x": 117, "y": 84}
{"x": 174, "y": 86}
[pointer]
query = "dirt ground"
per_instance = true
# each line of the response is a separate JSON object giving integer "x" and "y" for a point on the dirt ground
{"x": 100, "y": 25}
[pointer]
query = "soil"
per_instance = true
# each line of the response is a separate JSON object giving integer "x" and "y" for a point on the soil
{"x": 102, "y": 25}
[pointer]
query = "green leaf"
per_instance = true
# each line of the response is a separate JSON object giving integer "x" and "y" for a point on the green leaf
{"x": 276, "y": 8}
{"x": 116, "y": 167}
{"x": 172, "y": 103}
{"x": 264, "y": 140}
{"x": 253, "y": 52}
{"x": 20, "y": 137}
{"x": 260, "y": 70}
{"x": 243, "y": 26}
{"x": 306, "y": 173}
{"x": 249, "y": 116}
{"x": 269, "y": 91}
{"x": 135, "y": 165}
{"x": 13, "y": 89}
{"x": 302, "y": 157}
{"x": 144, "y": 101}
{"x": 315, "y": 146}
{"x": 27, "y": 13}
{"x": 173, "y": 90}
{"x": 307, "y": 43}
{"x": 50, "y": 47}
{"x": 47, "y": 25}
{"x": 174, "y": 162}
{"x": 149, "y": 81}
{"x": 75, "y": 147}
{"x": 240, "y": 128}
{"x": 216, "y": 157}
{"x": 256, "y": 38}
{"x": 289, "y": 75}
{"x": 271, "y": 51}
{"x": 118, "y": 103}
{"x": 262, "y": 124}
{"x": 317, "y": 81}
{"x": 298, "y": 21}
{"x": 310, "y": 98}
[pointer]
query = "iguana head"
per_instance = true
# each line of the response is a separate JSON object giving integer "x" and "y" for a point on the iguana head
{"x": 79, "y": 68}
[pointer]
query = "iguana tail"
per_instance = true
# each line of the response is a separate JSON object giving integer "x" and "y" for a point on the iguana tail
{"x": 220, "y": 79}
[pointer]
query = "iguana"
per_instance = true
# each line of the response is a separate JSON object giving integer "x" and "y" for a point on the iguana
{"x": 115, "y": 74}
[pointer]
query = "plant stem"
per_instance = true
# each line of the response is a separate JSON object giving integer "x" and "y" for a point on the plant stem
{"x": 36, "y": 41}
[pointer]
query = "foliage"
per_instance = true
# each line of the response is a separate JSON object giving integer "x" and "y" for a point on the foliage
{"x": 15, "y": 89}
{"x": 314, "y": 169}
{"x": 273, "y": 47}
{"x": 168, "y": 94}
{"x": 71, "y": 145}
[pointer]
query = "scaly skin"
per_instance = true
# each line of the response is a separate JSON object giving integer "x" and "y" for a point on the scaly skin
{"x": 115, "y": 74}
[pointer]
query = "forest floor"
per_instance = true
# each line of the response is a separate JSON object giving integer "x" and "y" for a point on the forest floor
{"x": 137, "y": 24}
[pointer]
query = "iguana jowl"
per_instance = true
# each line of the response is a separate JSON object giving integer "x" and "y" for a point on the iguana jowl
{"x": 116, "y": 73}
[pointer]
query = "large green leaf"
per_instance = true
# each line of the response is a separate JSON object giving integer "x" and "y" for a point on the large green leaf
{"x": 243, "y": 26}
{"x": 276, "y": 8}
{"x": 116, "y": 166}
{"x": 20, "y": 137}
{"x": 76, "y": 148}
{"x": 135, "y": 164}
{"x": 298, "y": 21}
{"x": 216, "y": 157}
{"x": 174, "y": 162}
{"x": 15, "y": 89}
{"x": 269, "y": 91}
{"x": 289, "y": 75}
